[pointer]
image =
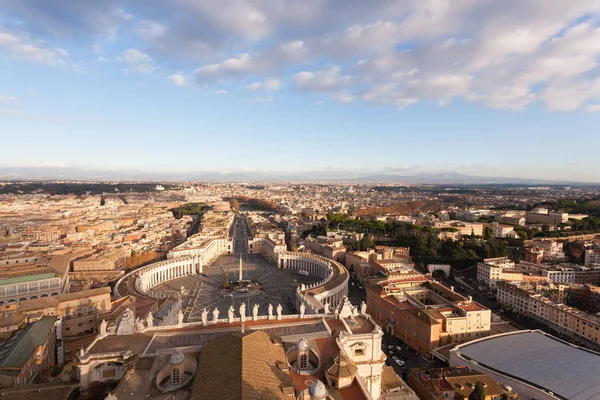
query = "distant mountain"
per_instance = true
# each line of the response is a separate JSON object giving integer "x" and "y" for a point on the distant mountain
{"x": 455, "y": 178}
{"x": 446, "y": 178}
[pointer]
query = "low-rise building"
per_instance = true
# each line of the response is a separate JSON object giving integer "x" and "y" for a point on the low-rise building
{"x": 455, "y": 383}
{"x": 565, "y": 320}
{"x": 426, "y": 315}
{"x": 27, "y": 352}
{"x": 493, "y": 270}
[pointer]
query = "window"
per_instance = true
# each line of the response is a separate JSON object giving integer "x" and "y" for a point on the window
{"x": 303, "y": 361}
{"x": 359, "y": 352}
{"x": 175, "y": 376}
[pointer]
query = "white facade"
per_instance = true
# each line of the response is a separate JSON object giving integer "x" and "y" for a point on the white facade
{"x": 489, "y": 272}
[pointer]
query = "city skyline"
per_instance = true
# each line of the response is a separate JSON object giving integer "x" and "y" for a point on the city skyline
{"x": 313, "y": 88}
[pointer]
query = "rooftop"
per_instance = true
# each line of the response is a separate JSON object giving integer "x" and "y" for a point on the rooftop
{"x": 18, "y": 347}
{"x": 539, "y": 359}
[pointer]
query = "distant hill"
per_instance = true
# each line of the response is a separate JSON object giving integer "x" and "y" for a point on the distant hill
{"x": 455, "y": 178}
{"x": 446, "y": 178}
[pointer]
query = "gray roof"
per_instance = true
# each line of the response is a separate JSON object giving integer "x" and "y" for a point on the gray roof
{"x": 17, "y": 349}
{"x": 541, "y": 360}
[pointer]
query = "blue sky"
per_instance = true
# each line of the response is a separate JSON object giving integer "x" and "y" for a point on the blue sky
{"x": 349, "y": 88}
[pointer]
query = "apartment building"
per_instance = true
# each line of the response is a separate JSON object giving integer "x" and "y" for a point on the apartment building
{"x": 493, "y": 270}
{"x": 592, "y": 258}
{"x": 107, "y": 261}
{"x": 455, "y": 383}
{"x": 567, "y": 321}
{"x": 426, "y": 315}
{"x": 544, "y": 216}
{"x": 564, "y": 272}
{"x": 27, "y": 352}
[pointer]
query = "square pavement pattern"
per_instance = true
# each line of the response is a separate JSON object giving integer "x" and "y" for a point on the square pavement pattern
{"x": 204, "y": 291}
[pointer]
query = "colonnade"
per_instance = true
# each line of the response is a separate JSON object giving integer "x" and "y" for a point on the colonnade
{"x": 163, "y": 271}
{"x": 334, "y": 286}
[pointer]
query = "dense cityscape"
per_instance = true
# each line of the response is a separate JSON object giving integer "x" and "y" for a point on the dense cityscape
{"x": 299, "y": 200}
{"x": 298, "y": 290}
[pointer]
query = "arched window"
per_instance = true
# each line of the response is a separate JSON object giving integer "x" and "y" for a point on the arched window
{"x": 175, "y": 376}
{"x": 303, "y": 361}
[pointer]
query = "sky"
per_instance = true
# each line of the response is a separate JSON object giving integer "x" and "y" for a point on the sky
{"x": 337, "y": 88}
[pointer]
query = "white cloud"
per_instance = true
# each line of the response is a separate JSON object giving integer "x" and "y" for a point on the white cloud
{"x": 27, "y": 50}
{"x": 503, "y": 55}
{"x": 138, "y": 61}
{"x": 594, "y": 108}
{"x": 322, "y": 80}
{"x": 103, "y": 59}
{"x": 7, "y": 99}
{"x": 271, "y": 85}
{"x": 219, "y": 91}
{"x": 150, "y": 30}
{"x": 178, "y": 79}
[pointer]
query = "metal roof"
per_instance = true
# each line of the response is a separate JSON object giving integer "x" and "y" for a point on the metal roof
{"x": 18, "y": 347}
{"x": 27, "y": 278}
{"x": 541, "y": 360}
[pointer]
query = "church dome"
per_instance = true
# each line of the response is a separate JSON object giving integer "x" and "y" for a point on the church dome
{"x": 302, "y": 345}
{"x": 318, "y": 391}
{"x": 176, "y": 358}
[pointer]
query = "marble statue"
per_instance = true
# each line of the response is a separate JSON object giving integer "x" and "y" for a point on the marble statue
{"x": 126, "y": 323}
{"x": 279, "y": 310}
{"x": 103, "y": 325}
{"x": 327, "y": 308}
{"x": 149, "y": 320}
{"x": 302, "y": 310}
{"x": 255, "y": 312}
{"x": 270, "y": 311}
{"x": 139, "y": 325}
{"x": 215, "y": 315}
{"x": 204, "y": 317}
{"x": 243, "y": 312}
{"x": 180, "y": 318}
{"x": 230, "y": 314}
{"x": 363, "y": 308}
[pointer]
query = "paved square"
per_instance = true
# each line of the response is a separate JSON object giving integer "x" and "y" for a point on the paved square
{"x": 205, "y": 291}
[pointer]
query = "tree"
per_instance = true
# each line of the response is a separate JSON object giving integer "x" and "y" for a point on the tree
{"x": 225, "y": 280}
{"x": 488, "y": 232}
{"x": 367, "y": 243}
{"x": 478, "y": 393}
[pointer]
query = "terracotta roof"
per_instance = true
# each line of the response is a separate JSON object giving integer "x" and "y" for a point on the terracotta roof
{"x": 242, "y": 366}
{"x": 342, "y": 367}
{"x": 42, "y": 391}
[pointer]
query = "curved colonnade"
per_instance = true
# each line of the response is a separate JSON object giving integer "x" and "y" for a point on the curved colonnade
{"x": 164, "y": 271}
{"x": 330, "y": 290}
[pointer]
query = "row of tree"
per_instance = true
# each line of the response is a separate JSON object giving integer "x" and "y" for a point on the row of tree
{"x": 189, "y": 209}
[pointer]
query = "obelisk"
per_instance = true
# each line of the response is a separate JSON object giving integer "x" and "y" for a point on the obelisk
{"x": 240, "y": 268}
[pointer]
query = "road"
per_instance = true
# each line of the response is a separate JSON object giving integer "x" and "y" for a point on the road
{"x": 239, "y": 234}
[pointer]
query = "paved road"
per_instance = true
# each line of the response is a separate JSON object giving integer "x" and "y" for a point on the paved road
{"x": 240, "y": 233}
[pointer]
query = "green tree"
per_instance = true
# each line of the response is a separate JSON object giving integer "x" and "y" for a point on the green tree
{"x": 478, "y": 393}
{"x": 367, "y": 242}
{"x": 488, "y": 233}
{"x": 225, "y": 280}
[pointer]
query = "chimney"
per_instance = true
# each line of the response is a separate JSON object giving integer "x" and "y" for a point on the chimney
{"x": 452, "y": 288}
{"x": 470, "y": 299}
{"x": 243, "y": 328}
